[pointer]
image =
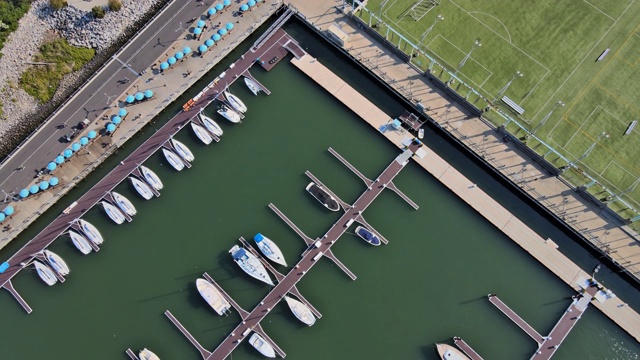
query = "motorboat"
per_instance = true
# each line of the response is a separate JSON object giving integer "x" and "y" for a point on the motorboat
{"x": 323, "y": 196}
{"x": 448, "y": 352}
{"x": 201, "y": 133}
{"x": 45, "y": 273}
{"x": 367, "y": 236}
{"x": 252, "y": 85}
{"x": 151, "y": 178}
{"x": 211, "y": 125}
{"x": 124, "y": 204}
{"x": 269, "y": 249}
{"x": 146, "y": 354}
{"x": 250, "y": 264}
{"x": 114, "y": 214}
{"x": 229, "y": 114}
{"x": 183, "y": 150}
{"x": 91, "y": 232}
{"x": 56, "y": 262}
{"x": 421, "y": 133}
{"x": 235, "y": 102}
{"x": 301, "y": 311}
{"x": 142, "y": 188}
{"x": 212, "y": 296}
{"x": 260, "y": 344}
{"x": 173, "y": 159}
{"x": 80, "y": 242}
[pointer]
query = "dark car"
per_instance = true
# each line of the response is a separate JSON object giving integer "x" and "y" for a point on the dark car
{"x": 70, "y": 135}
{"x": 82, "y": 124}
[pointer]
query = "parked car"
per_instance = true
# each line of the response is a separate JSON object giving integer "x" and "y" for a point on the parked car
{"x": 70, "y": 135}
{"x": 83, "y": 124}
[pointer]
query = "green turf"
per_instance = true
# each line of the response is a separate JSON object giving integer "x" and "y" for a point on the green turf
{"x": 555, "y": 45}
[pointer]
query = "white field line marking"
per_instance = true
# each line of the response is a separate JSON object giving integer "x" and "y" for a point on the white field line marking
{"x": 588, "y": 54}
{"x": 493, "y": 17}
{"x": 581, "y": 125}
{"x": 602, "y": 12}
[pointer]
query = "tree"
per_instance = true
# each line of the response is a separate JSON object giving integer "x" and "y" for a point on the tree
{"x": 98, "y": 12}
{"x": 115, "y": 5}
{"x": 58, "y": 4}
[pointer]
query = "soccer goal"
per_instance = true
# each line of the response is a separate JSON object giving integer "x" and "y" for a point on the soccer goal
{"x": 419, "y": 9}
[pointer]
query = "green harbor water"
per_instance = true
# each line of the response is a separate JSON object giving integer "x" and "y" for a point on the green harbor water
{"x": 428, "y": 285}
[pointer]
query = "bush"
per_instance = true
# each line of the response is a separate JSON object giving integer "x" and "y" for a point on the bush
{"x": 58, "y": 4}
{"x": 115, "y": 5}
{"x": 10, "y": 14}
{"x": 98, "y": 12}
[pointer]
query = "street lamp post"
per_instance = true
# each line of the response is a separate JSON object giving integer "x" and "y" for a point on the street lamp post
{"x": 602, "y": 135}
{"x": 544, "y": 120}
{"x": 424, "y": 35}
{"x": 476, "y": 44}
{"x": 504, "y": 88}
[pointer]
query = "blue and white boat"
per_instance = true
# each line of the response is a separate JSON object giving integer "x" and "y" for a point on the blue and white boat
{"x": 45, "y": 273}
{"x": 173, "y": 159}
{"x": 142, "y": 188}
{"x": 235, "y": 102}
{"x": 269, "y": 249}
{"x": 124, "y": 204}
{"x": 183, "y": 150}
{"x": 56, "y": 262}
{"x": 250, "y": 264}
{"x": 114, "y": 214}
{"x": 151, "y": 178}
{"x": 80, "y": 242}
{"x": 211, "y": 125}
{"x": 201, "y": 133}
{"x": 91, "y": 232}
{"x": 367, "y": 236}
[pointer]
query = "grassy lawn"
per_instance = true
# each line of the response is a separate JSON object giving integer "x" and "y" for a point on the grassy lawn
{"x": 555, "y": 45}
{"x": 42, "y": 81}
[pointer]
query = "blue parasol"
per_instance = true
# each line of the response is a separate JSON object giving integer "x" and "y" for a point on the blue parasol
{"x": 92, "y": 134}
{"x": 212, "y": 11}
{"x": 148, "y": 94}
{"x": 130, "y": 98}
{"x": 226, "y": 3}
{"x": 186, "y": 50}
{"x": 111, "y": 127}
{"x": 229, "y": 26}
{"x": 24, "y": 193}
{"x": 8, "y": 210}
{"x": 164, "y": 65}
{"x": 172, "y": 60}
{"x": 251, "y": 3}
{"x": 216, "y": 37}
{"x": 139, "y": 96}
{"x": 197, "y": 31}
{"x": 219, "y": 7}
{"x": 51, "y": 166}
{"x": 122, "y": 112}
{"x": 179, "y": 55}
{"x": 222, "y": 32}
{"x": 244, "y": 7}
{"x": 75, "y": 147}
{"x": 116, "y": 120}
{"x": 84, "y": 141}
{"x": 59, "y": 159}
{"x": 200, "y": 23}
{"x": 209, "y": 43}
{"x": 202, "y": 48}
{"x": 67, "y": 153}
{"x": 34, "y": 189}
{"x": 53, "y": 181}
{"x": 2, "y": 217}
{"x": 44, "y": 185}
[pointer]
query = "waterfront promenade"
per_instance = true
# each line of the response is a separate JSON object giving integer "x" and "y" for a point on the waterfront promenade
{"x": 616, "y": 241}
{"x": 547, "y": 254}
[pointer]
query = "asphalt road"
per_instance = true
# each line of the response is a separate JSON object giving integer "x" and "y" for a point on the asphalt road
{"x": 44, "y": 145}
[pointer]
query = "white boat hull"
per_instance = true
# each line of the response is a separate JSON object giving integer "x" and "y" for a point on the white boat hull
{"x": 45, "y": 273}
{"x": 448, "y": 352}
{"x": 210, "y": 125}
{"x": 253, "y": 87}
{"x": 80, "y": 242}
{"x": 57, "y": 263}
{"x": 142, "y": 188}
{"x": 114, "y": 214}
{"x": 269, "y": 249}
{"x": 301, "y": 311}
{"x": 250, "y": 264}
{"x": 173, "y": 159}
{"x": 124, "y": 204}
{"x": 259, "y": 343}
{"x": 229, "y": 114}
{"x": 183, "y": 150}
{"x": 212, "y": 296}
{"x": 91, "y": 232}
{"x": 146, "y": 354}
{"x": 151, "y": 178}
{"x": 235, "y": 102}
{"x": 201, "y": 133}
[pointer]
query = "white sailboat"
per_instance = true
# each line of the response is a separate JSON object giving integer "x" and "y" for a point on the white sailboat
{"x": 211, "y": 125}
{"x": 113, "y": 212}
{"x": 269, "y": 249}
{"x": 212, "y": 296}
{"x": 250, "y": 264}
{"x": 201, "y": 133}
{"x": 124, "y": 204}
{"x": 260, "y": 344}
{"x": 183, "y": 150}
{"x": 80, "y": 242}
{"x": 448, "y": 352}
{"x": 301, "y": 311}
{"x": 91, "y": 232}
{"x": 173, "y": 159}
{"x": 252, "y": 85}
{"x": 229, "y": 114}
{"x": 45, "y": 273}
{"x": 142, "y": 188}
{"x": 235, "y": 102}
{"x": 151, "y": 178}
{"x": 56, "y": 262}
{"x": 146, "y": 354}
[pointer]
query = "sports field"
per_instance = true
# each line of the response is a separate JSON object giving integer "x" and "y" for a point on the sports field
{"x": 555, "y": 45}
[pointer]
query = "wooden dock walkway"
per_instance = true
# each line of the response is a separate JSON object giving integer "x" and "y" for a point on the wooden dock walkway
{"x": 131, "y": 354}
{"x": 204, "y": 352}
{"x": 468, "y": 350}
{"x": 260, "y": 85}
{"x": 343, "y": 204}
{"x": 8, "y": 285}
{"x": 243, "y": 313}
{"x": 309, "y": 241}
{"x": 528, "y": 329}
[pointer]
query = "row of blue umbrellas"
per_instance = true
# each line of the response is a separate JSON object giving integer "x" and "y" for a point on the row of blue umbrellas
{"x": 139, "y": 96}
{"x": 215, "y": 37}
{"x": 34, "y": 189}
{"x": 249, "y": 4}
{"x": 6, "y": 212}
{"x": 164, "y": 66}
{"x": 68, "y": 152}
{"x": 219, "y": 7}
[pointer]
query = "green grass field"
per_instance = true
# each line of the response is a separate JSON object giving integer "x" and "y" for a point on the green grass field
{"x": 555, "y": 45}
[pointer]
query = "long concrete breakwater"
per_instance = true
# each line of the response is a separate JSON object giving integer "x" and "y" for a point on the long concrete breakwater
{"x": 519, "y": 232}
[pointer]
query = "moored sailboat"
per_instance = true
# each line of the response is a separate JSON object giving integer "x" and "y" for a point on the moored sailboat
{"x": 45, "y": 273}
{"x": 90, "y": 231}
{"x": 56, "y": 262}
{"x": 201, "y": 133}
{"x": 229, "y": 114}
{"x": 151, "y": 178}
{"x": 124, "y": 204}
{"x": 269, "y": 249}
{"x": 142, "y": 188}
{"x": 260, "y": 344}
{"x": 182, "y": 150}
{"x": 448, "y": 352}
{"x": 173, "y": 159}
{"x": 210, "y": 125}
{"x": 146, "y": 354}
{"x": 250, "y": 264}
{"x": 114, "y": 214}
{"x": 301, "y": 311}
{"x": 235, "y": 102}
{"x": 252, "y": 85}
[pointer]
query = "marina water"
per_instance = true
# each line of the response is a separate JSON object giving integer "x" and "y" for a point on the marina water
{"x": 428, "y": 285}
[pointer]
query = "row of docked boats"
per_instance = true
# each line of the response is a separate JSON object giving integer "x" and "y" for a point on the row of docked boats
{"x": 122, "y": 206}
